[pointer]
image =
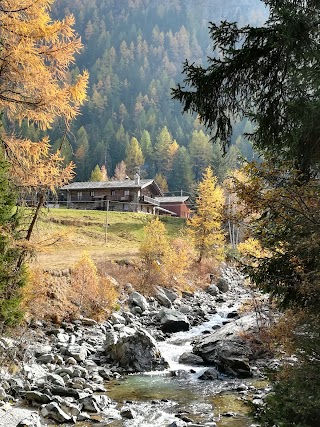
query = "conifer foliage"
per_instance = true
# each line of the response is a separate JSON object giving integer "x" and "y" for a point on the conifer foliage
{"x": 11, "y": 275}
{"x": 206, "y": 225}
{"x": 35, "y": 55}
{"x": 34, "y": 58}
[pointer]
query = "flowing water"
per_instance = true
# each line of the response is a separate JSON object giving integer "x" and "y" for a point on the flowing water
{"x": 157, "y": 398}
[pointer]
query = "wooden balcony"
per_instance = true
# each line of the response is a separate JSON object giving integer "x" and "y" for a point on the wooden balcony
{"x": 149, "y": 200}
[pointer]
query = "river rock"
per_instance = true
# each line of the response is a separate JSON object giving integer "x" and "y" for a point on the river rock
{"x": 46, "y": 358}
{"x": 222, "y": 284}
{"x": 190, "y": 359}
{"x": 55, "y": 379}
{"x": 116, "y": 318}
{"x": 127, "y": 413}
{"x": 162, "y": 297}
{"x": 95, "y": 403}
{"x": 173, "y": 320}
{"x": 79, "y": 353}
{"x": 170, "y": 294}
{"x": 33, "y": 420}
{"x": 136, "y": 299}
{"x": 136, "y": 350}
{"x": 36, "y": 396}
{"x": 209, "y": 374}
{"x": 231, "y": 356}
{"x": 212, "y": 290}
{"x": 52, "y": 410}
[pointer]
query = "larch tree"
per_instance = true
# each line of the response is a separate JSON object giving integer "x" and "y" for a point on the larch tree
{"x": 205, "y": 226}
{"x": 120, "y": 172}
{"x": 96, "y": 174}
{"x": 134, "y": 157}
{"x": 35, "y": 55}
{"x": 162, "y": 182}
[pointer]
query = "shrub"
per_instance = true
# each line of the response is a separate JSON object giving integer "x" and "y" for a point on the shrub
{"x": 94, "y": 295}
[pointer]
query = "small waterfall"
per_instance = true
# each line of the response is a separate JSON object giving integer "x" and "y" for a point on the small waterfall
{"x": 180, "y": 342}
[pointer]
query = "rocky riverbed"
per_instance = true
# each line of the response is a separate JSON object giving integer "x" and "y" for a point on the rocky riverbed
{"x": 156, "y": 362}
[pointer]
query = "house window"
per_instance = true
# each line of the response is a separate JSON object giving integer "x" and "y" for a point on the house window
{"x": 126, "y": 192}
{"x": 113, "y": 192}
{"x": 126, "y": 207}
{"x": 92, "y": 193}
{"x": 79, "y": 195}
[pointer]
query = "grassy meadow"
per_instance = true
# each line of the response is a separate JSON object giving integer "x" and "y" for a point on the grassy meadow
{"x": 61, "y": 235}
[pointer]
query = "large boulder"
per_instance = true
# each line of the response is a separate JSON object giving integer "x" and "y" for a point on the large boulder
{"x": 135, "y": 350}
{"x": 172, "y": 295}
{"x": 162, "y": 298}
{"x": 52, "y": 410}
{"x": 138, "y": 300}
{"x": 230, "y": 356}
{"x": 212, "y": 290}
{"x": 223, "y": 285}
{"x": 190, "y": 359}
{"x": 173, "y": 320}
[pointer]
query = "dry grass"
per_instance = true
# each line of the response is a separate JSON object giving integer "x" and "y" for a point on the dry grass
{"x": 63, "y": 234}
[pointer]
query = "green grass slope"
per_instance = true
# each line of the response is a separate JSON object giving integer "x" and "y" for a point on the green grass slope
{"x": 62, "y": 235}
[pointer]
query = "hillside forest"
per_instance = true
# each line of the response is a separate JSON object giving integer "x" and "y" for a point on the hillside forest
{"x": 134, "y": 51}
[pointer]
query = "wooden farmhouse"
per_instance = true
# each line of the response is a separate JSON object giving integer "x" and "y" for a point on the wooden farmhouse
{"x": 175, "y": 204}
{"x": 138, "y": 195}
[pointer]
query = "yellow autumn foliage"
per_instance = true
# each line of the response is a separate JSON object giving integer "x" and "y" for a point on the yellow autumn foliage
{"x": 35, "y": 55}
{"x": 94, "y": 295}
{"x": 205, "y": 227}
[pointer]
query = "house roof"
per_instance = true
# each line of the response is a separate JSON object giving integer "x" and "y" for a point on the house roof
{"x": 95, "y": 185}
{"x": 172, "y": 199}
{"x": 166, "y": 211}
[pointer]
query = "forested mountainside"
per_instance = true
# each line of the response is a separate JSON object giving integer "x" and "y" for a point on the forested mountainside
{"x": 134, "y": 51}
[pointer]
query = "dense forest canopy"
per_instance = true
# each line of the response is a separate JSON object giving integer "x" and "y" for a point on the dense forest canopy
{"x": 134, "y": 50}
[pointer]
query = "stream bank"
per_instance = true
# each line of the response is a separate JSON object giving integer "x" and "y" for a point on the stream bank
{"x": 172, "y": 360}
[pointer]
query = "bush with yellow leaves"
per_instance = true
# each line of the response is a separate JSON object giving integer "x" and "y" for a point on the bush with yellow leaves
{"x": 165, "y": 262}
{"x": 251, "y": 251}
{"x": 94, "y": 295}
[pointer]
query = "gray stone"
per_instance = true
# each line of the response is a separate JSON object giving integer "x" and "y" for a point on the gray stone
{"x": 33, "y": 420}
{"x": 173, "y": 321}
{"x": 79, "y": 353}
{"x": 39, "y": 349}
{"x": 209, "y": 374}
{"x": 135, "y": 298}
{"x": 117, "y": 318}
{"x": 63, "y": 338}
{"x": 55, "y": 379}
{"x": 223, "y": 284}
{"x": 52, "y": 410}
{"x": 46, "y": 358}
{"x": 231, "y": 356}
{"x": 135, "y": 350}
{"x": 71, "y": 409}
{"x": 127, "y": 413}
{"x": 172, "y": 295}
{"x": 36, "y": 396}
{"x": 162, "y": 297}
{"x": 95, "y": 403}
{"x": 185, "y": 309}
{"x": 213, "y": 290}
{"x": 190, "y": 359}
